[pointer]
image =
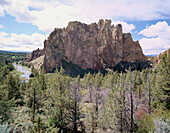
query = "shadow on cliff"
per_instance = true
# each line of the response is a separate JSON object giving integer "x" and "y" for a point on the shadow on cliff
{"x": 138, "y": 65}
{"x": 74, "y": 70}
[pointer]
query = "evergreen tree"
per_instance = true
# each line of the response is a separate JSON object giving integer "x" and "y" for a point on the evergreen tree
{"x": 97, "y": 97}
{"x": 42, "y": 79}
{"x": 57, "y": 99}
{"x": 5, "y": 111}
{"x": 34, "y": 72}
{"x": 88, "y": 81}
{"x": 74, "y": 107}
{"x": 138, "y": 84}
{"x": 163, "y": 80}
{"x": 34, "y": 97}
{"x": 121, "y": 113}
{"x": 12, "y": 87}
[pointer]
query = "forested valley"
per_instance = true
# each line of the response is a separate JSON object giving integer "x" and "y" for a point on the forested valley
{"x": 127, "y": 102}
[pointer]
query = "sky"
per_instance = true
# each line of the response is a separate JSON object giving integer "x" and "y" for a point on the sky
{"x": 25, "y": 24}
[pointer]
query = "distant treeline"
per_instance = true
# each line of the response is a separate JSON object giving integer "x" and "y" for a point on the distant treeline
{"x": 13, "y": 56}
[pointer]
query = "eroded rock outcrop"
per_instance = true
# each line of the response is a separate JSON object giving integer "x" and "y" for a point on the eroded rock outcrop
{"x": 158, "y": 58}
{"x": 94, "y": 46}
{"x": 35, "y": 54}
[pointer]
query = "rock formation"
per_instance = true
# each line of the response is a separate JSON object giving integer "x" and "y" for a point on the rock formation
{"x": 158, "y": 58}
{"x": 35, "y": 54}
{"x": 94, "y": 46}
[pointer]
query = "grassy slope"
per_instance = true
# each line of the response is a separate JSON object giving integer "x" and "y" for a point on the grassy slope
{"x": 38, "y": 62}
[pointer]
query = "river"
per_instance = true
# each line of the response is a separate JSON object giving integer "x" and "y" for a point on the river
{"x": 26, "y": 72}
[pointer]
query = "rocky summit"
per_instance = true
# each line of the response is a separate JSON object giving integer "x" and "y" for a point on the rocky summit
{"x": 91, "y": 47}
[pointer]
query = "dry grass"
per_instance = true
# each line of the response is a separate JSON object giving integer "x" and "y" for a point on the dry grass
{"x": 38, "y": 62}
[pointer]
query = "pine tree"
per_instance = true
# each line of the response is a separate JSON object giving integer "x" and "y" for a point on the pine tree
{"x": 57, "y": 99}
{"x": 163, "y": 79}
{"x": 120, "y": 108}
{"x": 88, "y": 81}
{"x": 12, "y": 87}
{"x": 34, "y": 72}
{"x": 131, "y": 104}
{"x": 149, "y": 92}
{"x": 5, "y": 111}
{"x": 74, "y": 107}
{"x": 138, "y": 84}
{"x": 42, "y": 79}
{"x": 97, "y": 97}
{"x": 34, "y": 97}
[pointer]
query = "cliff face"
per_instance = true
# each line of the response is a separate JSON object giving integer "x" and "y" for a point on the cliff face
{"x": 35, "y": 54}
{"x": 94, "y": 46}
{"x": 158, "y": 58}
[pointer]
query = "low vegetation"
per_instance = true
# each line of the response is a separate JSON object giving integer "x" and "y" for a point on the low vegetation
{"x": 13, "y": 56}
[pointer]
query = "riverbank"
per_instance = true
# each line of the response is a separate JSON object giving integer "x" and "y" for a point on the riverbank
{"x": 17, "y": 73}
{"x": 28, "y": 68}
{"x": 22, "y": 71}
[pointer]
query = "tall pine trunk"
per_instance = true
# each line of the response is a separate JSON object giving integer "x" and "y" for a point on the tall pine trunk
{"x": 149, "y": 96}
{"x": 131, "y": 103}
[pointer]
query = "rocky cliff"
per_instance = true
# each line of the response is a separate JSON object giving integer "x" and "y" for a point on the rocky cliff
{"x": 95, "y": 46}
{"x": 158, "y": 58}
{"x": 35, "y": 54}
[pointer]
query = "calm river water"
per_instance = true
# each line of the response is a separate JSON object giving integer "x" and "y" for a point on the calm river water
{"x": 26, "y": 72}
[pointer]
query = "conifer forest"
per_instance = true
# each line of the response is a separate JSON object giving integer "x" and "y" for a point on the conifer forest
{"x": 115, "y": 102}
